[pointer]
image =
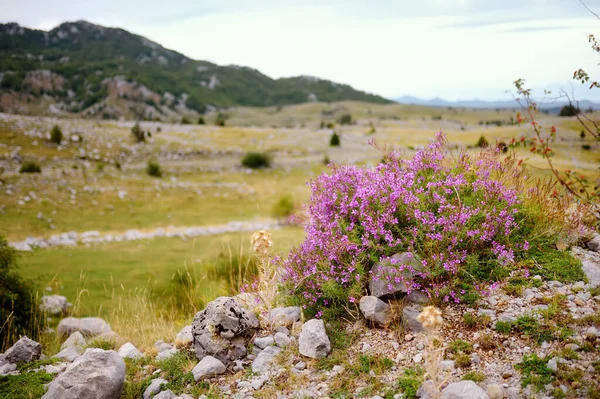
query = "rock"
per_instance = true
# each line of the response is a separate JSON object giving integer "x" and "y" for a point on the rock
{"x": 382, "y": 281}
{"x": 185, "y": 335}
{"x": 161, "y": 345}
{"x": 263, "y": 342}
{"x": 24, "y": 350}
{"x": 86, "y": 325}
{"x": 222, "y": 329}
{"x": 265, "y": 359}
{"x": 418, "y": 297}
{"x": 166, "y": 354}
{"x": 75, "y": 340}
{"x": 375, "y": 310}
{"x": 168, "y": 394}
{"x": 129, "y": 351}
{"x": 208, "y": 367}
{"x": 285, "y": 316}
{"x": 154, "y": 387}
{"x": 97, "y": 374}
{"x": 7, "y": 368}
{"x": 426, "y": 390}
{"x": 282, "y": 340}
{"x": 594, "y": 244}
{"x": 592, "y": 272}
{"x": 283, "y": 330}
{"x": 313, "y": 340}
{"x": 463, "y": 390}
{"x": 54, "y": 304}
{"x": 552, "y": 364}
{"x": 69, "y": 354}
{"x": 496, "y": 391}
{"x": 447, "y": 364}
{"x": 409, "y": 318}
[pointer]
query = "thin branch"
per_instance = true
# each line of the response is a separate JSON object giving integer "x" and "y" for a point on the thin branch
{"x": 587, "y": 8}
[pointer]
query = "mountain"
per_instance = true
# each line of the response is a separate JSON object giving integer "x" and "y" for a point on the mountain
{"x": 98, "y": 71}
{"x": 551, "y": 106}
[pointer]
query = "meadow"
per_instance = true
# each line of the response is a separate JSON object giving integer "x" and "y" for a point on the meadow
{"x": 96, "y": 180}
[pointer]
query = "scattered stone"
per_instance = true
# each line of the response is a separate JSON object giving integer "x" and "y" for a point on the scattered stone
{"x": 54, "y": 304}
{"x": 75, "y": 340}
{"x": 463, "y": 390}
{"x": 409, "y": 318}
{"x": 168, "y": 394}
{"x": 282, "y": 340}
{"x": 222, "y": 329}
{"x": 129, "y": 351}
{"x": 185, "y": 335}
{"x": 154, "y": 387}
{"x": 283, "y": 330}
{"x": 265, "y": 359}
{"x": 69, "y": 354}
{"x": 166, "y": 354}
{"x": 383, "y": 275}
{"x": 7, "y": 368}
{"x": 418, "y": 297}
{"x": 24, "y": 350}
{"x": 97, "y": 374}
{"x": 86, "y": 325}
{"x": 594, "y": 244}
{"x": 313, "y": 341}
{"x": 496, "y": 391}
{"x": 552, "y": 364}
{"x": 208, "y": 367}
{"x": 263, "y": 342}
{"x": 285, "y": 316}
{"x": 375, "y": 310}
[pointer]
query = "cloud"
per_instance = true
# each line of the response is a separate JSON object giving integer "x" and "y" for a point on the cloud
{"x": 524, "y": 29}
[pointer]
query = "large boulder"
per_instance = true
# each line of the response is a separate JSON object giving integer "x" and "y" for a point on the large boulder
{"x": 464, "y": 390}
{"x": 85, "y": 325}
{"x": 24, "y": 350}
{"x": 387, "y": 279}
{"x": 375, "y": 310}
{"x": 54, "y": 304}
{"x": 208, "y": 367}
{"x": 97, "y": 374}
{"x": 313, "y": 341}
{"x": 222, "y": 330}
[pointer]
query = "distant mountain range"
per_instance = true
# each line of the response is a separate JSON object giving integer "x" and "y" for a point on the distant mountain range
{"x": 80, "y": 67}
{"x": 439, "y": 102}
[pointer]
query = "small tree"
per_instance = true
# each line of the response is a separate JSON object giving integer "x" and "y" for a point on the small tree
{"x": 138, "y": 133}
{"x": 201, "y": 121}
{"x": 256, "y": 160}
{"x": 334, "y": 141}
{"x": 56, "y": 135}
{"x": 569, "y": 110}
{"x": 482, "y": 142}
{"x": 185, "y": 121}
{"x": 221, "y": 118}
{"x": 154, "y": 169}
{"x": 30, "y": 167}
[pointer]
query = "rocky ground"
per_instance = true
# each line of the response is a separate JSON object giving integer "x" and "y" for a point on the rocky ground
{"x": 538, "y": 339}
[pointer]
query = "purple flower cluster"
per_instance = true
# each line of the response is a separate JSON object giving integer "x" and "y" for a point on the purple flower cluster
{"x": 439, "y": 206}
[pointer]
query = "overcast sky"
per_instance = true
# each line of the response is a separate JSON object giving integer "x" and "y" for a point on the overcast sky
{"x": 454, "y": 49}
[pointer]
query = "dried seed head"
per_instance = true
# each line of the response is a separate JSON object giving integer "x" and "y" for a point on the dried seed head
{"x": 430, "y": 317}
{"x": 261, "y": 242}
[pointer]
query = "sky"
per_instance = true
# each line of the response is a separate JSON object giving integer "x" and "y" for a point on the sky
{"x": 453, "y": 49}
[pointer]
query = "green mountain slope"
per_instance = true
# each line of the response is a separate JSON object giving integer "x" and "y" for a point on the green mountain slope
{"x": 92, "y": 69}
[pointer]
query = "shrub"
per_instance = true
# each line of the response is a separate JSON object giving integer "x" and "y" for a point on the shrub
{"x": 138, "y": 134}
{"x": 221, "y": 119}
{"x": 453, "y": 212}
{"x": 586, "y": 147}
{"x": 346, "y": 119}
{"x": 56, "y": 135}
{"x": 185, "y": 121}
{"x": 334, "y": 141}
{"x": 30, "y": 167}
{"x": 569, "y": 110}
{"x": 284, "y": 207}
{"x": 19, "y": 308}
{"x": 154, "y": 169}
{"x": 256, "y": 160}
{"x": 201, "y": 121}
{"x": 482, "y": 142}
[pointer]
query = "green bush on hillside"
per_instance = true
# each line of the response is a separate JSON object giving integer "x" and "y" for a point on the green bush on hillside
{"x": 138, "y": 134}
{"x": 56, "y": 135}
{"x": 569, "y": 110}
{"x": 30, "y": 167}
{"x": 346, "y": 119}
{"x": 19, "y": 308}
{"x": 154, "y": 169}
{"x": 201, "y": 121}
{"x": 284, "y": 207}
{"x": 482, "y": 142}
{"x": 256, "y": 160}
{"x": 334, "y": 141}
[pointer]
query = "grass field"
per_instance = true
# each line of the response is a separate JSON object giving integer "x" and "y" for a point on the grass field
{"x": 100, "y": 183}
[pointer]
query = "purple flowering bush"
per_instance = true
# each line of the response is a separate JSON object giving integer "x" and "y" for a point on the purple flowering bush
{"x": 452, "y": 211}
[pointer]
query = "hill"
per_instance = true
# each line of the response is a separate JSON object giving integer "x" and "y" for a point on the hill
{"x": 80, "y": 67}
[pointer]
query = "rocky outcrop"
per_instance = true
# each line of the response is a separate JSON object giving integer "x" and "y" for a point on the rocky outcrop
{"x": 97, "y": 374}
{"x": 86, "y": 325}
{"x": 313, "y": 341}
{"x": 222, "y": 330}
